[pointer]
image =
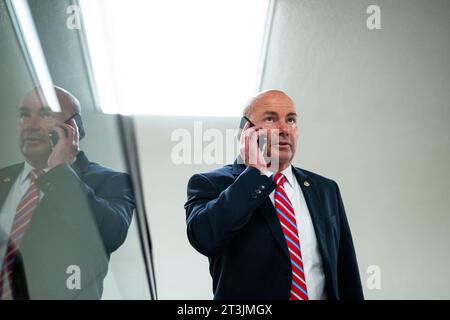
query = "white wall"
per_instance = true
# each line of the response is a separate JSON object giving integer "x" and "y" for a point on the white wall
{"x": 374, "y": 108}
{"x": 374, "y": 116}
{"x": 181, "y": 272}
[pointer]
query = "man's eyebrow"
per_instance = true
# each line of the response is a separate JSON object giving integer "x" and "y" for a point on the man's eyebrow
{"x": 271, "y": 113}
{"x": 43, "y": 108}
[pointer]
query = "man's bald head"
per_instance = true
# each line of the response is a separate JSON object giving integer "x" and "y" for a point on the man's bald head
{"x": 264, "y": 97}
{"x": 68, "y": 102}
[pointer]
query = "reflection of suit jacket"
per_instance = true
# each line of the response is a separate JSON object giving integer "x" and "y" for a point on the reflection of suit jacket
{"x": 82, "y": 218}
{"x": 231, "y": 220}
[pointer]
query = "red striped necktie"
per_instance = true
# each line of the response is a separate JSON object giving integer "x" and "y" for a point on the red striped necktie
{"x": 24, "y": 213}
{"x": 286, "y": 215}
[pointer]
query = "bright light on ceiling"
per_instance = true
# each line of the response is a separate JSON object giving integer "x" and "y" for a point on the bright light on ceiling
{"x": 179, "y": 58}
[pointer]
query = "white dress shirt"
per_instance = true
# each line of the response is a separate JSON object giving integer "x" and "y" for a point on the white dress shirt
{"x": 312, "y": 260}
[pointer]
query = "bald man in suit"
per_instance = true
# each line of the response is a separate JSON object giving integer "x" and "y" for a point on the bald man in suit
{"x": 269, "y": 229}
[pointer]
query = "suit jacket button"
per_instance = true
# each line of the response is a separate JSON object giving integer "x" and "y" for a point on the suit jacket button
{"x": 262, "y": 187}
{"x": 258, "y": 191}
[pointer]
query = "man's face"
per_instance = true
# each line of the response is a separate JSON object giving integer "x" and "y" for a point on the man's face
{"x": 275, "y": 110}
{"x": 36, "y": 120}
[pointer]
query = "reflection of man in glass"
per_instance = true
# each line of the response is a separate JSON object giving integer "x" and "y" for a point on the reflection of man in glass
{"x": 63, "y": 214}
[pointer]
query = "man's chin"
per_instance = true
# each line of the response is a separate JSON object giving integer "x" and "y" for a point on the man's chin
{"x": 280, "y": 160}
{"x": 36, "y": 152}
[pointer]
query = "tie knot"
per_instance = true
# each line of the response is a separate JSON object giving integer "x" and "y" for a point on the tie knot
{"x": 34, "y": 174}
{"x": 279, "y": 179}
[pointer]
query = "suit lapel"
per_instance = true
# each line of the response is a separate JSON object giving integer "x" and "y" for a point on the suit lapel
{"x": 314, "y": 203}
{"x": 270, "y": 215}
{"x": 7, "y": 178}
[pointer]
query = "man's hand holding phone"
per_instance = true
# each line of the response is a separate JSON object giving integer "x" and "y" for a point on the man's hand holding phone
{"x": 250, "y": 150}
{"x": 67, "y": 146}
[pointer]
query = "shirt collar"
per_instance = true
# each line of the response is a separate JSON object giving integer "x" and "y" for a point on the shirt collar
{"x": 27, "y": 168}
{"x": 289, "y": 175}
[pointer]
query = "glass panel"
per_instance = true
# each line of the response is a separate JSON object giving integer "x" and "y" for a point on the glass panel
{"x": 69, "y": 230}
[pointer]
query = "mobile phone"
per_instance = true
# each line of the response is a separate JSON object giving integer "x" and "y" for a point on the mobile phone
{"x": 261, "y": 142}
{"x": 54, "y": 137}
{"x": 244, "y": 120}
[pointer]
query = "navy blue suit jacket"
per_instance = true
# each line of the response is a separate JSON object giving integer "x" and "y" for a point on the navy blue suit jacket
{"x": 83, "y": 217}
{"x": 231, "y": 220}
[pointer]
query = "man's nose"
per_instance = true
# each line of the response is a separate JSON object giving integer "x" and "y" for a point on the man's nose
{"x": 283, "y": 127}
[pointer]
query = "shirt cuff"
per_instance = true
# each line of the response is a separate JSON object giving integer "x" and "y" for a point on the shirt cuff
{"x": 267, "y": 173}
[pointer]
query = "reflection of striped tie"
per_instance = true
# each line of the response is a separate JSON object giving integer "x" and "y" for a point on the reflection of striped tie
{"x": 24, "y": 212}
{"x": 285, "y": 213}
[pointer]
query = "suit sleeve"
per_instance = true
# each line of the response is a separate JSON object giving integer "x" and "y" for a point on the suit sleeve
{"x": 349, "y": 281}
{"x": 215, "y": 216}
{"x": 110, "y": 207}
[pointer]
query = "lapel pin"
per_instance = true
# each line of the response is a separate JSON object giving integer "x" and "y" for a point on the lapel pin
{"x": 7, "y": 180}
{"x": 306, "y": 184}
